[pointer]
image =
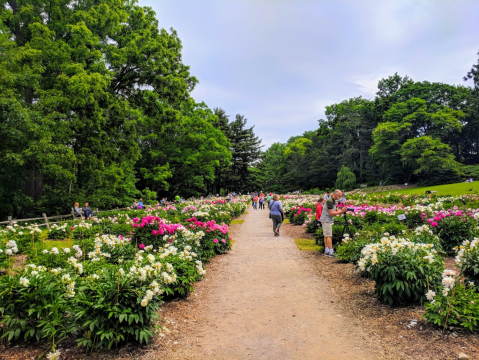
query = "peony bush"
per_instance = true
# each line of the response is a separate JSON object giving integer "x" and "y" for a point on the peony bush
{"x": 401, "y": 269}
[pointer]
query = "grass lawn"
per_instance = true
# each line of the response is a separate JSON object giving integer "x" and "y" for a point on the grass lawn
{"x": 59, "y": 244}
{"x": 237, "y": 222}
{"x": 449, "y": 189}
{"x": 307, "y": 244}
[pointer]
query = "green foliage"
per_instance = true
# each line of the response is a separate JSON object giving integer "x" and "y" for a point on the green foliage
{"x": 467, "y": 259}
{"x": 108, "y": 312}
{"x": 454, "y": 230}
{"x": 460, "y": 310}
{"x": 346, "y": 179}
{"x": 402, "y": 270}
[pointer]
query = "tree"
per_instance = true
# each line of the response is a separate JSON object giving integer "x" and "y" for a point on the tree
{"x": 346, "y": 179}
{"x": 245, "y": 149}
{"x": 425, "y": 155}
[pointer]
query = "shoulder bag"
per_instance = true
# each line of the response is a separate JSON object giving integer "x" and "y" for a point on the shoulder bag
{"x": 270, "y": 206}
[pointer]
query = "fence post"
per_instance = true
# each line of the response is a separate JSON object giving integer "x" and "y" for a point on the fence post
{"x": 46, "y": 220}
{"x": 10, "y": 220}
{"x": 97, "y": 212}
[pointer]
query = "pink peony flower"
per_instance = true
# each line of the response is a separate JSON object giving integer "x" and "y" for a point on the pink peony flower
{"x": 215, "y": 241}
{"x": 434, "y": 224}
{"x": 155, "y": 232}
{"x": 141, "y": 246}
{"x": 72, "y": 228}
{"x": 223, "y": 240}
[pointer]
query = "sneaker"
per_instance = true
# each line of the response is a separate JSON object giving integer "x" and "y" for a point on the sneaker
{"x": 326, "y": 252}
{"x": 331, "y": 253}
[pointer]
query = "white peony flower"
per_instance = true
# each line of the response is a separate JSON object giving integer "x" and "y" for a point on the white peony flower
{"x": 430, "y": 295}
{"x": 24, "y": 281}
{"x": 54, "y": 355}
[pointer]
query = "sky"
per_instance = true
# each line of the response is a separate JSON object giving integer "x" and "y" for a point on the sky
{"x": 280, "y": 62}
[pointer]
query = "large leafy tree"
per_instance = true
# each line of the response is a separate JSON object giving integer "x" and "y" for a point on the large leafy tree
{"x": 95, "y": 106}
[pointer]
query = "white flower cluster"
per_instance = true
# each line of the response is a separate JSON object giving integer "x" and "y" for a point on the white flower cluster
{"x": 198, "y": 214}
{"x": 77, "y": 265}
{"x": 83, "y": 225}
{"x": 78, "y": 251}
{"x": 393, "y": 245}
{"x": 150, "y": 293}
{"x": 468, "y": 250}
{"x": 423, "y": 230}
{"x": 448, "y": 280}
{"x": 11, "y": 248}
{"x": 55, "y": 227}
{"x": 199, "y": 268}
{"x": 187, "y": 253}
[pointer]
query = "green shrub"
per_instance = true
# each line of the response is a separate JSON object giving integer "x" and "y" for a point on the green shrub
{"x": 455, "y": 229}
{"x": 467, "y": 259}
{"x": 458, "y": 300}
{"x": 401, "y": 269}
{"x": 59, "y": 232}
{"x": 108, "y": 311}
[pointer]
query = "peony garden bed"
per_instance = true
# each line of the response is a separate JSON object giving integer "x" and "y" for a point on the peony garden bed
{"x": 104, "y": 286}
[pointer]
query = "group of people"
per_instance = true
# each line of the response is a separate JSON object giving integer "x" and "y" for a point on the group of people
{"x": 85, "y": 211}
{"x": 258, "y": 200}
{"x": 326, "y": 210}
{"x": 137, "y": 205}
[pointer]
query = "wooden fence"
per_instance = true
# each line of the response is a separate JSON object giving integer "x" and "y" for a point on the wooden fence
{"x": 46, "y": 218}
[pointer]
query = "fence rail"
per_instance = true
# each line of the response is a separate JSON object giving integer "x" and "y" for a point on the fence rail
{"x": 45, "y": 218}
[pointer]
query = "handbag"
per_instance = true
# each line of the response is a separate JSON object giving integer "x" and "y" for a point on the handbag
{"x": 270, "y": 206}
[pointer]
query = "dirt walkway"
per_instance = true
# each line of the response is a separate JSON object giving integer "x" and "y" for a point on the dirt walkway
{"x": 268, "y": 303}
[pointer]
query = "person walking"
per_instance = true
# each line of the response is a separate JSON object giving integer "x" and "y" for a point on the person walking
{"x": 255, "y": 202}
{"x": 268, "y": 199}
{"x": 261, "y": 201}
{"x": 276, "y": 213}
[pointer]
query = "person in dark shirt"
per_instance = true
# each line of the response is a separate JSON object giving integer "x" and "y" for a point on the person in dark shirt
{"x": 87, "y": 212}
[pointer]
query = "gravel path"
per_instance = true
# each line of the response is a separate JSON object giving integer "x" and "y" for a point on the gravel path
{"x": 268, "y": 303}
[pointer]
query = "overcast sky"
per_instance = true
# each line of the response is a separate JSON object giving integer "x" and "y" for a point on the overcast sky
{"x": 280, "y": 62}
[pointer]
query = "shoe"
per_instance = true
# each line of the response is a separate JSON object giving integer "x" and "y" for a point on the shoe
{"x": 331, "y": 253}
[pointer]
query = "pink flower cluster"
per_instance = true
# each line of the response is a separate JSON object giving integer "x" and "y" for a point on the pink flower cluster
{"x": 162, "y": 226}
{"x": 209, "y": 226}
{"x": 299, "y": 210}
{"x": 440, "y": 215}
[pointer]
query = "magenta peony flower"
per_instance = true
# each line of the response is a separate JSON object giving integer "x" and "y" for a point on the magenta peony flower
{"x": 141, "y": 246}
{"x": 155, "y": 232}
{"x": 215, "y": 241}
{"x": 434, "y": 224}
{"x": 72, "y": 228}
